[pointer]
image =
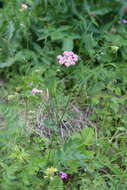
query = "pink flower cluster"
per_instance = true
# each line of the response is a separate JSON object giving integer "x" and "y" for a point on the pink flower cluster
{"x": 68, "y": 58}
{"x": 35, "y": 91}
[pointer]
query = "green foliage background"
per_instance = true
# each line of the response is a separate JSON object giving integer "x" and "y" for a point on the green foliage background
{"x": 36, "y": 36}
{"x": 93, "y": 151}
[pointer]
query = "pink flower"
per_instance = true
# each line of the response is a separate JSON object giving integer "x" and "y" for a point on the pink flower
{"x": 35, "y": 91}
{"x": 68, "y": 58}
{"x": 63, "y": 175}
{"x": 24, "y": 6}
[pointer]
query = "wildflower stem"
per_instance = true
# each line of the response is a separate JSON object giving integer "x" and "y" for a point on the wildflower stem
{"x": 68, "y": 101}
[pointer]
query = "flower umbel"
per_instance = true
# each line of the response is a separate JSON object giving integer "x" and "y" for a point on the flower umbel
{"x": 63, "y": 175}
{"x": 68, "y": 58}
{"x": 35, "y": 91}
{"x": 50, "y": 172}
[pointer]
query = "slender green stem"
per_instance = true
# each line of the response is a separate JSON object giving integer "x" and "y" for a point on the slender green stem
{"x": 66, "y": 107}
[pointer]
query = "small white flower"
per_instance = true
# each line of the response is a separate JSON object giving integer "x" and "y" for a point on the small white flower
{"x": 24, "y": 6}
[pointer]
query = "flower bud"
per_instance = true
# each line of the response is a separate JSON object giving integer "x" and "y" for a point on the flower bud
{"x": 114, "y": 49}
{"x": 24, "y": 6}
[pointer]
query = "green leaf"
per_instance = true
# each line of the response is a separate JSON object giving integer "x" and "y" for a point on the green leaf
{"x": 55, "y": 184}
{"x": 67, "y": 44}
{"x": 8, "y": 63}
{"x": 11, "y": 29}
{"x": 87, "y": 136}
